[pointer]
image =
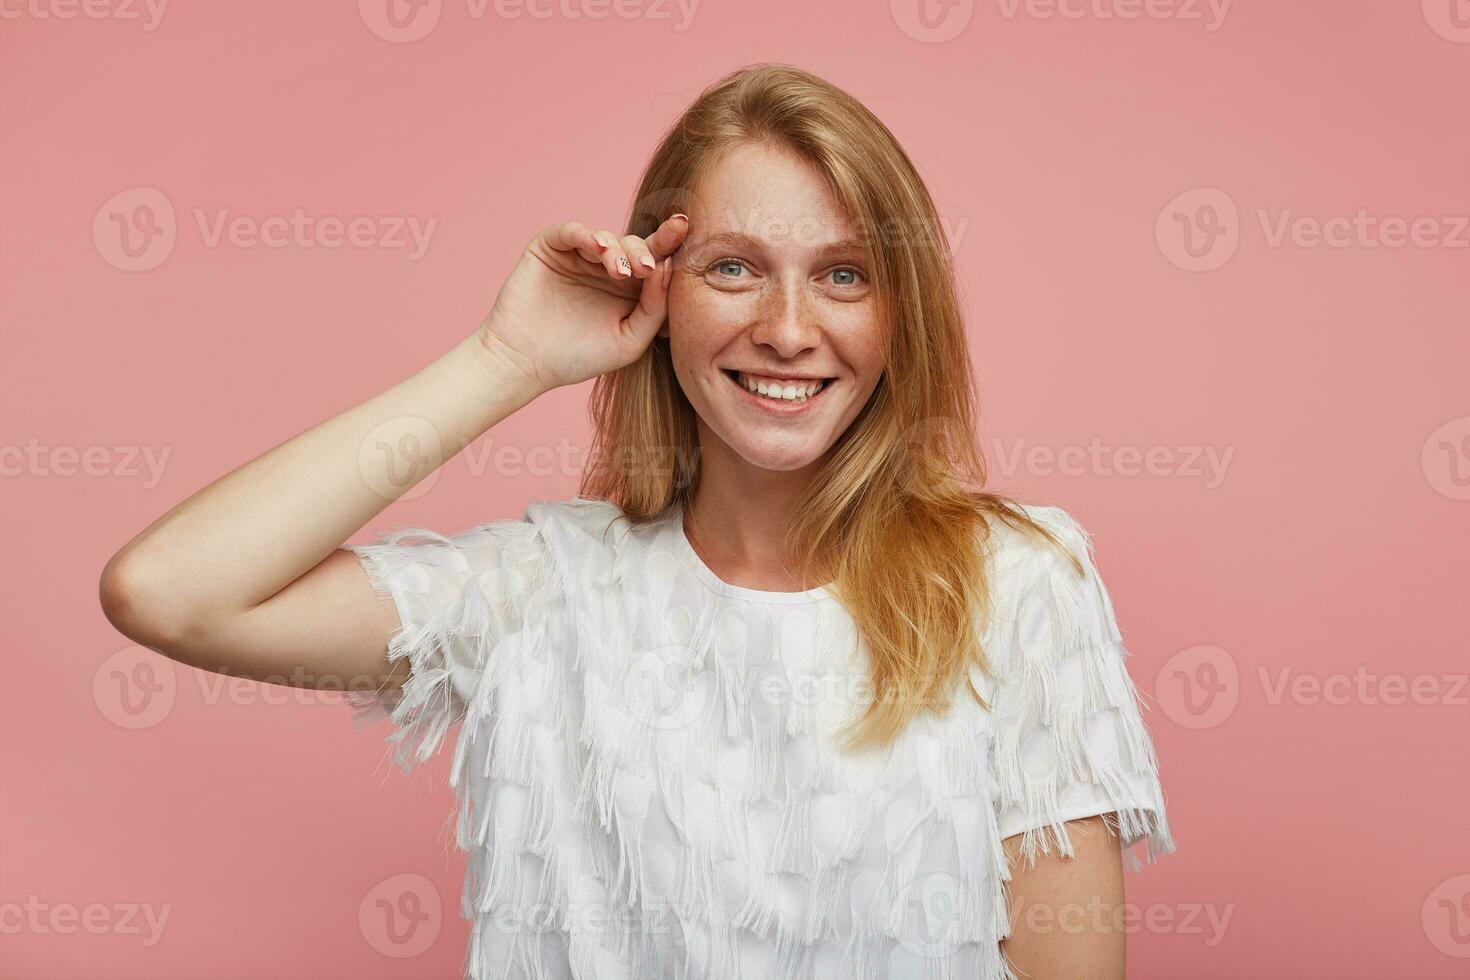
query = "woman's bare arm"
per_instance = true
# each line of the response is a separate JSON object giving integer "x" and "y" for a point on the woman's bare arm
{"x": 1067, "y": 913}
{"x": 247, "y": 576}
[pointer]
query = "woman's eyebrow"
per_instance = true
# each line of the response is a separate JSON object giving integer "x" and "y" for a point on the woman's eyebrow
{"x": 724, "y": 239}
{"x": 739, "y": 239}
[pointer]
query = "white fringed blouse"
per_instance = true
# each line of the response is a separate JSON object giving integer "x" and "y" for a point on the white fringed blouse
{"x": 648, "y": 784}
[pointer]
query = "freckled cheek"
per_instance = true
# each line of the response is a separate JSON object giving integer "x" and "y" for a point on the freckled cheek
{"x": 707, "y": 317}
{"x": 858, "y": 339}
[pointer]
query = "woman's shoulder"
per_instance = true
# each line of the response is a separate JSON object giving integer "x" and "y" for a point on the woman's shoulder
{"x": 584, "y": 513}
{"x": 1013, "y": 541}
{"x": 585, "y": 532}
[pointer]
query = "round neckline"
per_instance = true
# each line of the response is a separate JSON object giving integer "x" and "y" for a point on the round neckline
{"x": 707, "y": 575}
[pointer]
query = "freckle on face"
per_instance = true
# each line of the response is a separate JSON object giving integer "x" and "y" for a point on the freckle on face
{"x": 779, "y": 306}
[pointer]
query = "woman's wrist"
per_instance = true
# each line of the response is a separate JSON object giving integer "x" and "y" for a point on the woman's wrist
{"x": 504, "y": 380}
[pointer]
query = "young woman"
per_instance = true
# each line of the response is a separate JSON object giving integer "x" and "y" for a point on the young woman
{"x": 781, "y": 692}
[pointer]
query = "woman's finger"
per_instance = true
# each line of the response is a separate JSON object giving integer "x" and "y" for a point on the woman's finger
{"x": 573, "y": 236}
{"x": 667, "y": 238}
{"x": 653, "y": 304}
{"x": 644, "y": 264}
{"x": 613, "y": 258}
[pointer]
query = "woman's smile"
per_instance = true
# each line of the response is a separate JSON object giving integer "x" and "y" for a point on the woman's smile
{"x": 776, "y": 394}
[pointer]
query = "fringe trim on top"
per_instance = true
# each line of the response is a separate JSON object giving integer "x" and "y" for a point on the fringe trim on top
{"x": 554, "y": 775}
{"x": 440, "y": 642}
{"x": 1073, "y": 677}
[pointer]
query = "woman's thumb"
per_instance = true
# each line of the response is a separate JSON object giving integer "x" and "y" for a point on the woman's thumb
{"x": 653, "y": 304}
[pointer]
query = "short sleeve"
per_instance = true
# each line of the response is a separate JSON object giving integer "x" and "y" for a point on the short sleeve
{"x": 1070, "y": 741}
{"x": 462, "y": 602}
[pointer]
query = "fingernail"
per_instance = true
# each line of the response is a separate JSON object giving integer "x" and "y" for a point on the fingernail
{"x": 647, "y": 262}
{"x": 600, "y": 242}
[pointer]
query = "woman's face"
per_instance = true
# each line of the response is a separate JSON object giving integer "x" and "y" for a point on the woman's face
{"x": 771, "y": 289}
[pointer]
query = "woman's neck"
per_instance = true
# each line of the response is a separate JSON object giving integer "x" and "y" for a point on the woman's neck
{"x": 738, "y": 521}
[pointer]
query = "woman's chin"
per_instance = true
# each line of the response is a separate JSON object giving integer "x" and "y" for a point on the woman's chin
{"x": 767, "y": 454}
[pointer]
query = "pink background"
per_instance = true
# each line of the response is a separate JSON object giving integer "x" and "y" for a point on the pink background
{"x": 1327, "y": 832}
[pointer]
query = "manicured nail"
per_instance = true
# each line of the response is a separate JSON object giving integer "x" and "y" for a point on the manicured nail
{"x": 647, "y": 262}
{"x": 598, "y": 238}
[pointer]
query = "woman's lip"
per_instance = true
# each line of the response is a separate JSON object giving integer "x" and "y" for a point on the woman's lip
{"x": 772, "y": 405}
{"x": 783, "y": 378}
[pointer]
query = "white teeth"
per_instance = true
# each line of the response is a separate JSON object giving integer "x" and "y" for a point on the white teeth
{"x": 790, "y": 391}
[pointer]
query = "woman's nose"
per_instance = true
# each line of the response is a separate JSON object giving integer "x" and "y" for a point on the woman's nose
{"x": 787, "y": 323}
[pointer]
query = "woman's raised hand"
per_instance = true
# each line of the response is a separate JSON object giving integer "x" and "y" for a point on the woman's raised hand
{"x": 580, "y": 302}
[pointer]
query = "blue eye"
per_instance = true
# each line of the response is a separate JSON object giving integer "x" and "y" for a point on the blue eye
{"x": 849, "y": 270}
{"x": 730, "y": 262}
